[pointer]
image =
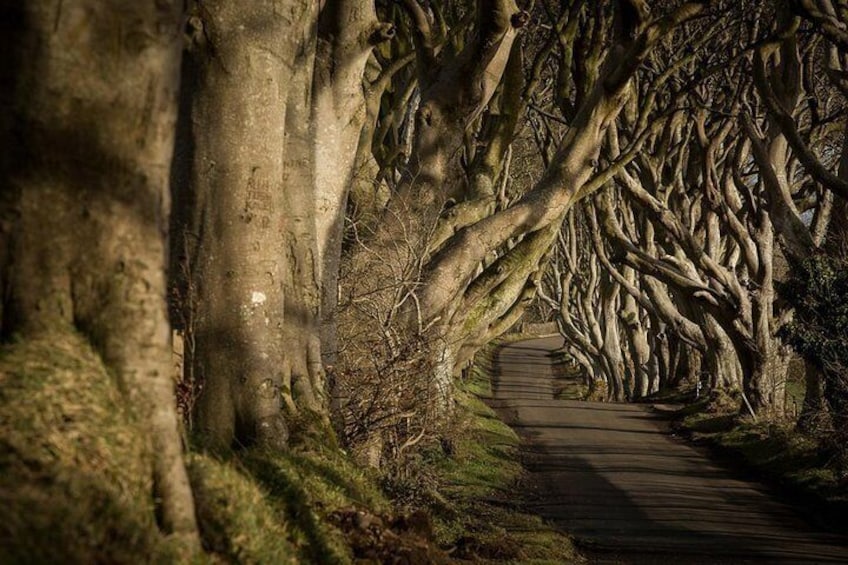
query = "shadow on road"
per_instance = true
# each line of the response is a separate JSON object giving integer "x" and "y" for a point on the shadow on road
{"x": 612, "y": 476}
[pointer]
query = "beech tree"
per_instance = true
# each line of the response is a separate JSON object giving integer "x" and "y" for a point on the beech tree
{"x": 367, "y": 192}
{"x": 89, "y": 117}
{"x": 266, "y": 99}
{"x": 803, "y": 109}
{"x": 450, "y": 295}
{"x": 600, "y": 312}
{"x": 726, "y": 199}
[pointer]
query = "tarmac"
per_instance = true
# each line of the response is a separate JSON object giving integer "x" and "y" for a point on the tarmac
{"x": 617, "y": 479}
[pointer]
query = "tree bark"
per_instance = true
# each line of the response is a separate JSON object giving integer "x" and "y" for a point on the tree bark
{"x": 637, "y": 337}
{"x": 251, "y": 178}
{"x": 92, "y": 112}
{"x": 721, "y": 358}
{"x": 347, "y": 32}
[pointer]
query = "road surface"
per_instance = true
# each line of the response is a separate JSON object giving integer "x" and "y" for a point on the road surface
{"x": 614, "y": 477}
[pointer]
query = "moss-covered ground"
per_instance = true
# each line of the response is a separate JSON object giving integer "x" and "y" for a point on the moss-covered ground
{"x": 775, "y": 451}
{"x": 75, "y": 484}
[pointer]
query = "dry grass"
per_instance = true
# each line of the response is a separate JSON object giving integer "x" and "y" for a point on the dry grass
{"x": 75, "y": 477}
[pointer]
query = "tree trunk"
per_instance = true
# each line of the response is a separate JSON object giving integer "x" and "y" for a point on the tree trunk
{"x": 688, "y": 364}
{"x": 251, "y": 178}
{"x": 303, "y": 373}
{"x": 612, "y": 353}
{"x": 721, "y": 357}
{"x": 765, "y": 381}
{"x": 768, "y": 380}
{"x": 637, "y": 338}
{"x": 347, "y": 31}
{"x": 658, "y": 344}
{"x": 93, "y": 109}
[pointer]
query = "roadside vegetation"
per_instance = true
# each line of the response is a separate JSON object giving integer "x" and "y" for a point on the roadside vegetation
{"x": 482, "y": 479}
{"x": 794, "y": 463}
{"x": 74, "y": 438}
{"x": 457, "y": 502}
{"x": 803, "y": 451}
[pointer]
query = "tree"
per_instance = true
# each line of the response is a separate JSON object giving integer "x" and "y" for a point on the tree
{"x": 725, "y": 203}
{"x": 452, "y": 297}
{"x": 266, "y": 99}
{"x": 89, "y": 117}
{"x": 248, "y": 226}
{"x": 819, "y": 286}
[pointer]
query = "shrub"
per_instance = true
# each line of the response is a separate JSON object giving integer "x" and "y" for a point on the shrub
{"x": 818, "y": 289}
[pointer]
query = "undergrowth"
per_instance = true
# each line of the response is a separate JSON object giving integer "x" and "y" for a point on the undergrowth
{"x": 75, "y": 484}
{"x": 778, "y": 452}
{"x": 274, "y": 508}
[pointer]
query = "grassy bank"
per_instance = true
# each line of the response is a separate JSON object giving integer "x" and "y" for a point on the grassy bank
{"x": 481, "y": 516}
{"x": 777, "y": 453}
{"x": 76, "y": 478}
{"x": 75, "y": 484}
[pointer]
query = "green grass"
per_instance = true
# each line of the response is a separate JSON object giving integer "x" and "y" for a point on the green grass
{"x": 76, "y": 468}
{"x": 783, "y": 453}
{"x": 76, "y": 477}
{"x": 265, "y": 507}
{"x": 237, "y": 519}
{"x": 784, "y": 457}
{"x": 480, "y": 517}
{"x": 75, "y": 465}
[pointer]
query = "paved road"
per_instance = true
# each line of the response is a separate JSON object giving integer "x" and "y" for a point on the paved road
{"x": 614, "y": 477}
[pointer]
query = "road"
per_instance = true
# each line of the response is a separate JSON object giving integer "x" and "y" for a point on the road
{"x": 614, "y": 477}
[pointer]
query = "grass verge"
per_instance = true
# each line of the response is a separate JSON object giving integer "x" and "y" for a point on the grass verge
{"x": 480, "y": 517}
{"x": 76, "y": 481}
{"x": 76, "y": 468}
{"x": 775, "y": 452}
{"x": 75, "y": 465}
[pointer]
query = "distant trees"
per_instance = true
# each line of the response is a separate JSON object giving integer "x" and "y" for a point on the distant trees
{"x": 690, "y": 245}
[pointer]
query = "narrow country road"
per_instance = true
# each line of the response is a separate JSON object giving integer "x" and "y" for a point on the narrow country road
{"x": 614, "y": 477}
